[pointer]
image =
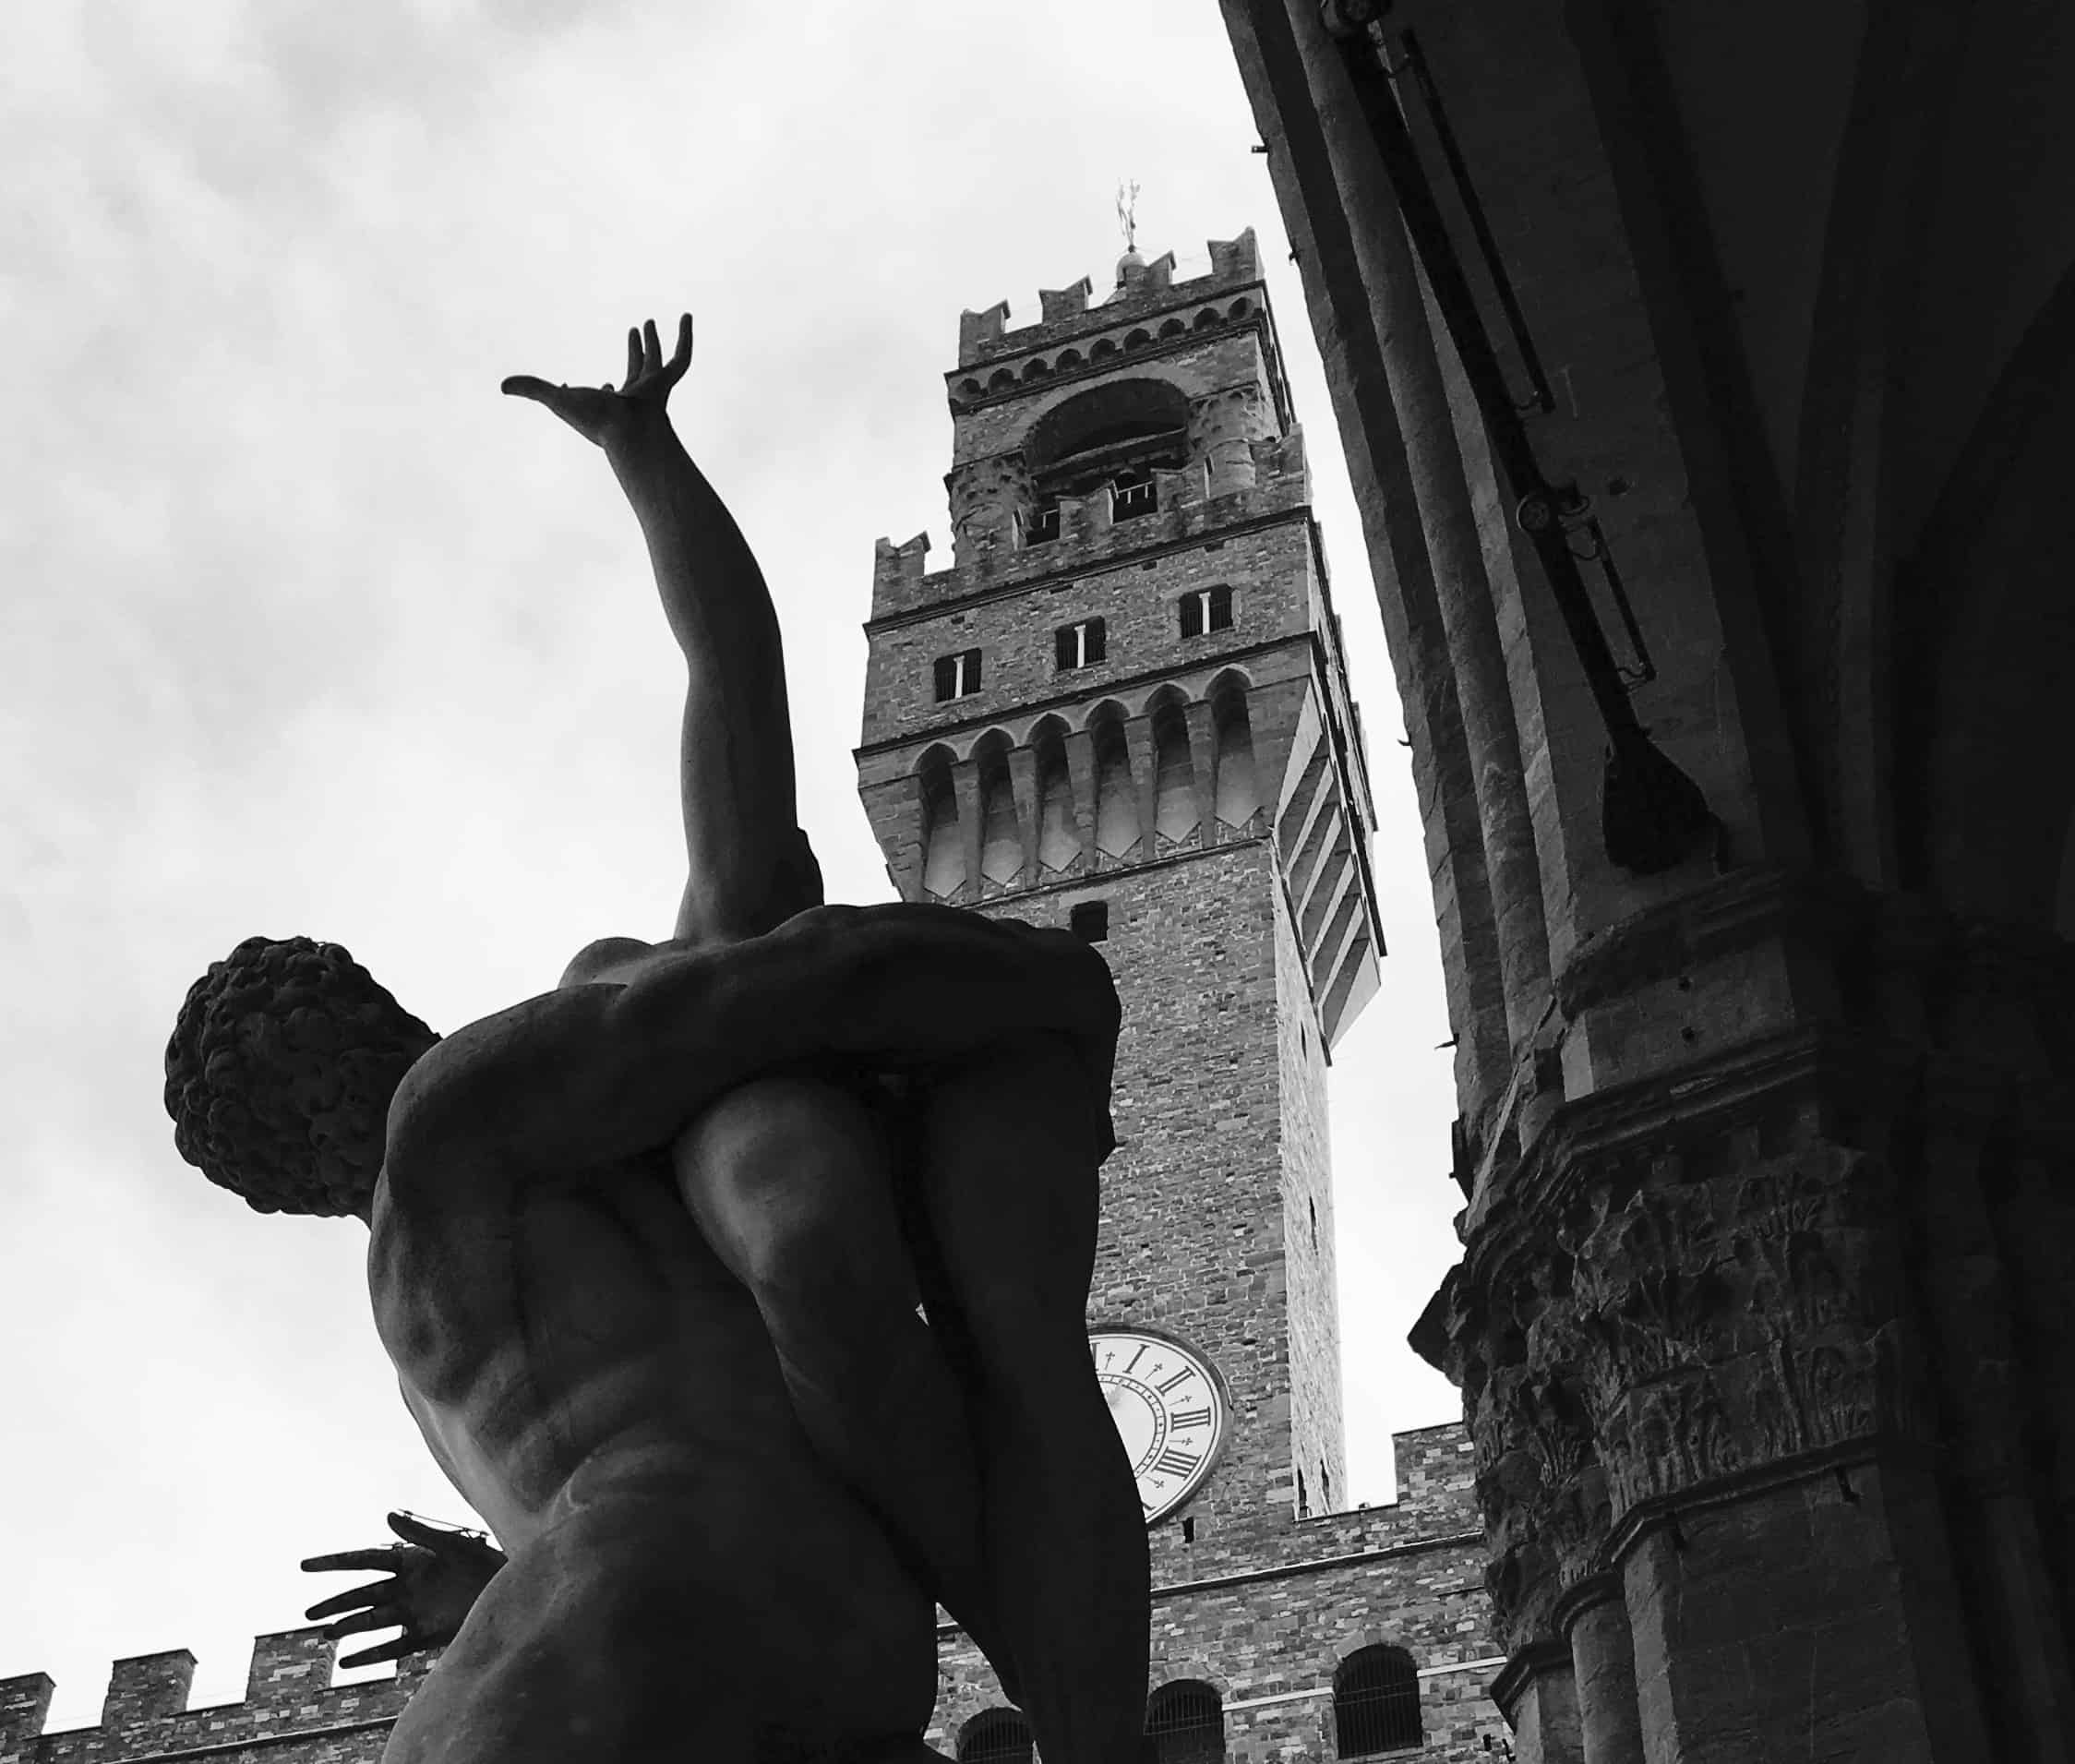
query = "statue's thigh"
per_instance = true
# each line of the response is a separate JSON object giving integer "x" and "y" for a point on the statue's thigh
{"x": 789, "y": 1180}
{"x": 1007, "y": 1163}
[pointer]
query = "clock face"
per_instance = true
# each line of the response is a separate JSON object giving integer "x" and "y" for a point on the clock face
{"x": 1169, "y": 1411}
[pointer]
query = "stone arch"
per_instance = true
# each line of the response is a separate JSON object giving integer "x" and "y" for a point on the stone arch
{"x": 1001, "y": 832}
{"x": 943, "y": 852}
{"x": 1984, "y": 811}
{"x": 1237, "y": 790}
{"x": 1102, "y": 346}
{"x": 1037, "y": 369}
{"x": 1174, "y": 327}
{"x": 1069, "y": 358}
{"x": 1175, "y": 814}
{"x": 1102, "y": 415}
{"x": 1239, "y": 309}
{"x": 1138, "y": 339}
{"x": 1116, "y": 830}
{"x": 1059, "y": 828}
{"x": 970, "y": 388}
{"x": 1001, "y": 380}
{"x": 1209, "y": 318}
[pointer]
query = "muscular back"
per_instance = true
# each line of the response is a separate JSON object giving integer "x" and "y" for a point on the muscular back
{"x": 603, "y": 1393}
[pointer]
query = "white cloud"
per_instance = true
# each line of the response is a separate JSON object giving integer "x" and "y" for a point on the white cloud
{"x": 310, "y": 630}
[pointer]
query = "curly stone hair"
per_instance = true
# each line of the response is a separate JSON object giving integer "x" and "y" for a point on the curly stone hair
{"x": 280, "y": 1074}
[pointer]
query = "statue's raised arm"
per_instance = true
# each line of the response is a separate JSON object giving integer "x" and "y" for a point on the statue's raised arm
{"x": 749, "y": 867}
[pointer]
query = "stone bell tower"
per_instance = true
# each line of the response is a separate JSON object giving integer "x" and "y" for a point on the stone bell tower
{"x": 1125, "y": 708}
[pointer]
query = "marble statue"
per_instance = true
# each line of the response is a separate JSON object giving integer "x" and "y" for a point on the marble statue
{"x": 736, "y": 1283}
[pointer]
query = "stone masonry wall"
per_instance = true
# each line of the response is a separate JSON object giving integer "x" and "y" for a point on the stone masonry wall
{"x": 1274, "y": 598}
{"x": 1409, "y": 1574}
{"x": 1318, "y": 1441}
{"x": 1192, "y": 1237}
{"x": 1198, "y": 368}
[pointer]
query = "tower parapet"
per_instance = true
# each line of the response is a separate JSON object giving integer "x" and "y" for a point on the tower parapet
{"x": 1148, "y": 288}
{"x": 290, "y": 1705}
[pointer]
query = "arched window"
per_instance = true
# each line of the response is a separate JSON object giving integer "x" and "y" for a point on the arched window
{"x": 1376, "y": 1702}
{"x": 1184, "y": 1724}
{"x": 995, "y": 1736}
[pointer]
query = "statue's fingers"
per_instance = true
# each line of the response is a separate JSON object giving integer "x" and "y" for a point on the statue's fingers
{"x": 388, "y": 1650}
{"x": 652, "y": 347}
{"x": 633, "y": 353}
{"x": 382, "y": 1558}
{"x": 422, "y": 1533}
{"x": 381, "y": 1617}
{"x": 527, "y": 386}
{"x": 353, "y": 1598}
{"x": 681, "y": 359}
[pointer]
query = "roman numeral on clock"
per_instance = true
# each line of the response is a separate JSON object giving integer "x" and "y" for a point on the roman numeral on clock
{"x": 1184, "y": 1418}
{"x": 1172, "y": 1462}
{"x": 1181, "y": 1377}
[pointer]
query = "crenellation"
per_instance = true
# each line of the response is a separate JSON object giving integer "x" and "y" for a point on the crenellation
{"x": 1146, "y": 290}
{"x": 25, "y": 1706}
{"x": 291, "y": 1707}
{"x": 1090, "y": 537}
{"x": 979, "y": 331}
{"x": 288, "y": 1667}
{"x": 147, "y": 1688}
{"x": 1062, "y": 306}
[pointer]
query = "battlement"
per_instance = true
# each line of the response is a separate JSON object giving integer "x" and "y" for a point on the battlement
{"x": 1188, "y": 505}
{"x": 289, "y": 1698}
{"x": 1436, "y": 1498}
{"x": 1146, "y": 288}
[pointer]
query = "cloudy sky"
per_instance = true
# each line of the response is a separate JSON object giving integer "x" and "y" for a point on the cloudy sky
{"x": 305, "y": 629}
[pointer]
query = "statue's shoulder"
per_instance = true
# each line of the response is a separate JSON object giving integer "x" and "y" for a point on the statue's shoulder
{"x": 458, "y": 1103}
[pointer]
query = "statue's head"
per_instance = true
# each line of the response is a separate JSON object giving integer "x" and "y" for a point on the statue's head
{"x": 279, "y": 1075}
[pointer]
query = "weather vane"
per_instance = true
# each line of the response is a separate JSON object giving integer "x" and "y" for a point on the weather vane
{"x": 1127, "y": 213}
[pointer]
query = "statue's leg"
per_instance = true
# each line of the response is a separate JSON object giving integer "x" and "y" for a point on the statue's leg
{"x": 1009, "y": 1160}
{"x": 789, "y": 1181}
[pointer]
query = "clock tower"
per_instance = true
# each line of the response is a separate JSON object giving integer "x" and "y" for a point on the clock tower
{"x": 1124, "y": 708}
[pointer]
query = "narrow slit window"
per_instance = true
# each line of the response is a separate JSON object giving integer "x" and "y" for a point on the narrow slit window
{"x": 958, "y": 675}
{"x": 1206, "y": 609}
{"x": 1081, "y": 644}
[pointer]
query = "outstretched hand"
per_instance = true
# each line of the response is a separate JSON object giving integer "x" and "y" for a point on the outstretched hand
{"x": 597, "y": 414}
{"x": 434, "y": 1578}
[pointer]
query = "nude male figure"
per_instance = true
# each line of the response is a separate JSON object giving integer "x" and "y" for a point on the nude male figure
{"x": 636, "y": 1254}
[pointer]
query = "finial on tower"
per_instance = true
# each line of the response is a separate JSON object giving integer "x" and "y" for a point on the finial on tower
{"x": 1127, "y": 222}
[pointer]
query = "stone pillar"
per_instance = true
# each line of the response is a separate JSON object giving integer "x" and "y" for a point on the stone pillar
{"x": 1081, "y": 773}
{"x": 1145, "y": 775}
{"x": 1203, "y": 763}
{"x": 1593, "y": 1616}
{"x": 1754, "y": 1399}
{"x": 1022, "y": 782}
{"x": 966, "y": 786}
{"x": 1538, "y": 1697}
